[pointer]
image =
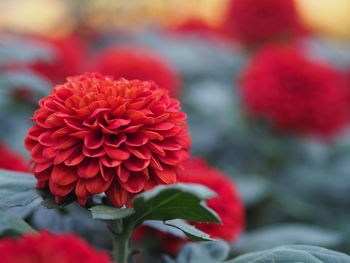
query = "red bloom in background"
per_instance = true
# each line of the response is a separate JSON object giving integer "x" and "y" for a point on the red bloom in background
{"x": 95, "y": 134}
{"x": 293, "y": 92}
{"x": 11, "y": 161}
{"x": 134, "y": 63}
{"x": 227, "y": 205}
{"x": 68, "y": 55}
{"x": 45, "y": 247}
{"x": 252, "y": 21}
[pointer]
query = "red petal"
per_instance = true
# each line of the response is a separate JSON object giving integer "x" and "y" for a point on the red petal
{"x": 173, "y": 158}
{"x": 156, "y": 148}
{"x": 39, "y": 167}
{"x": 116, "y": 123}
{"x": 163, "y": 126}
{"x": 80, "y": 190}
{"x": 46, "y": 140}
{"x": 135, "y": 164}
{"x": 108, "y": 162}
{"x": 168, "y": 176}
{"x": 44, "y": 175}
{"x": 93, "y": 140}
{"x": 115, "y": 140}
{"x": 135, "y": 184}
{"x": 117, "y": 195}
{"x": 61, "y": 132}
{"x": 136, "y": 139}
{"x": 97, "y": 185}
{"x": 140, "y": 152}
{"x": 88, "y": 168}
{"x": 156, "y": 164}
{"x": 61, "y": 156}
{"x": 123, "y": 173}
{"x": 75, "y": 158}
{"x": 75, "y": 124}
{"x": 63, "y": 175}
{"x": 93, "y": 152}
{"x": 153, "y": 135}
{"x": 35, "y": 131}
{"x": 117, "y": 153}
{"x": 66, "y": 143}
{"x": 60, "y": 190}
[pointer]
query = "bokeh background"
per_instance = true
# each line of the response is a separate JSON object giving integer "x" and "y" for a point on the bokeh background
{"x": 294, "y": 182}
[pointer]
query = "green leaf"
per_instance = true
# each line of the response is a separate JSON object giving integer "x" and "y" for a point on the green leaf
{"x": 204, "y": 252}
{"x": 294, "y": 254}
{"x": 177, "y": 201}
{"x": 286, "y": 234}
{"x": 10, "y": 222}
{"x": 17, "y": 189}
{"x": 189, "y": 230}
{"x": 110, "y": 213}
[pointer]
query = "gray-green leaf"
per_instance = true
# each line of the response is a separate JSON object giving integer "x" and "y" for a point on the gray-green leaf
{"x": 10, "y": 222}
{"x": 110, "y": 213}
{"x": 17, "y": 189}
{"x": 293, "y": 254}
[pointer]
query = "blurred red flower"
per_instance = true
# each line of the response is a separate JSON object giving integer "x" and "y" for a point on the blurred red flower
{"x": 68, "y": 55}
{"x": 11, "y": 161}
{"x": 45, "y": 247}
{"x": 136, "y": 63}
{"x": 293, "y": 92}
{"x": 95, "y": 134}
{"x": 227, "y": 205}
{"x": 252, "y": 21}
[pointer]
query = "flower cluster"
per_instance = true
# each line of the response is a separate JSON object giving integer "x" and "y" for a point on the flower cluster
{"x": 136, "y": 63}
{"x": 11, "y": 161}
{"x": 45, "y": 247}
{"x": 253, "y": 21}
{"x": 293, "y": 92}
{"x": 95, "y": 134}
{"x": 227, "y": 205}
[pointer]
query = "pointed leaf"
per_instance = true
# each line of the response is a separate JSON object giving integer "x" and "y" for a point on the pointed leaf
{"x": 189, "y": 230}
{"x": 176, "y": 201}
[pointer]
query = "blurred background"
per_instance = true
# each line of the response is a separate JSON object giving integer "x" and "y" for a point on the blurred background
{"x": 265, "y": 84}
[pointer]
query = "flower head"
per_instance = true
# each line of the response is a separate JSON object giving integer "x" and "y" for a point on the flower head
{"x": 11, "y": 161}
{"x": 227, "y": 205}
{"x": 136, "y": 63}
{"x": 252, "y": 21}
{"x": 95, "y": 134}
{"x": 68, "y": 54}
{"x": 293, "y": 92}
{"x": 45, "y": 247}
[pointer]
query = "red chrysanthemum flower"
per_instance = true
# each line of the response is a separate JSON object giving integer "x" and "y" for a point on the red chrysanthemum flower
{"x": 227, "y": 205}
{"x": 136, "y": 63}
{"x": 11, "y": 161}
{"x": 293, "y": 92}
{"x": 95, "y": 134}
{"x": 45, "y": 247}
{"x": 68, "y": 55}
{"x": 252, "y": 21}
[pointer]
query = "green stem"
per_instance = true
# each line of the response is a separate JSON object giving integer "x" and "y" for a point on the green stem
{"x": 120, "y": 249}
{"x": 121, "y": 240}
